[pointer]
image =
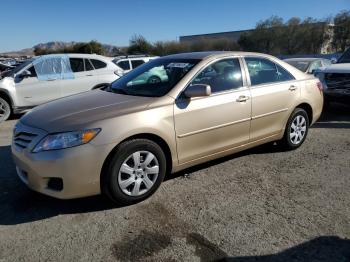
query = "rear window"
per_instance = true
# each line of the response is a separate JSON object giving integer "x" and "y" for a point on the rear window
{"x": 98, "y": 64}
{"x": 301, "y": 65}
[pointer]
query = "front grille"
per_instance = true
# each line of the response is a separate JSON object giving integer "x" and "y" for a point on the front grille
{"x": 337, "y": 81}
{"x": 23, "y": 139}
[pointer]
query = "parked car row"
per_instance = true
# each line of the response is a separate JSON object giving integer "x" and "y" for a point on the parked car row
{"x": 334, "y": 75}
{"x": 309, "y": 65}
{"x": 336, "y": 80}
{"x": 128, "y": 63}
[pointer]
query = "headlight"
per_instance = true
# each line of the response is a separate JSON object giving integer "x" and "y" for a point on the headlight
{"x": 65, "y": 140}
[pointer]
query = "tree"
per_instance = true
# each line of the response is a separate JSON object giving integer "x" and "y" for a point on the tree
{"x": 92, "y": 47}
{"x": 139, "y": 45}
{"x": 342, "y": 31}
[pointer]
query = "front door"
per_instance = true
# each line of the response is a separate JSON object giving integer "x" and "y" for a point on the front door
{"x": 32, "y": 92}
{"x": 221, "y": 121}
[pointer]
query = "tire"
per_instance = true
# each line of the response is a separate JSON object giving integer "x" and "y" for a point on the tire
{"x": 296, "y": 130}
{"x": 121, "y": 183}
{"x": 5, "y": 110}
{"x": 154, "y": 80}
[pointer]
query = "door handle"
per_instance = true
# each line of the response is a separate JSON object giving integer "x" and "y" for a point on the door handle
{"x": 242, "y": 98}
{"x": 293, "y": 88}
{"x": 51, "y": 79}
{"x": 89, "y": 75}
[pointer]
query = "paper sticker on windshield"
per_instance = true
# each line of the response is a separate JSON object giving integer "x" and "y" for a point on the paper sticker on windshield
{"x": 179, "y": 65}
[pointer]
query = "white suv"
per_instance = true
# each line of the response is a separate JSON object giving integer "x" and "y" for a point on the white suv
{"x": 128, "y": 63}
{"x": 45, "y": 78}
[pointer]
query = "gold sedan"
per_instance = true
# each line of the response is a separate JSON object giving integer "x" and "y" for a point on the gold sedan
{"x": 166, "y": 115}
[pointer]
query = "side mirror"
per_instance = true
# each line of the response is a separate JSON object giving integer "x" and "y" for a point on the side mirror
{"x": 334, "y": 60}
{"x": 198, "y": 90}
{"x": 25, "y": 73}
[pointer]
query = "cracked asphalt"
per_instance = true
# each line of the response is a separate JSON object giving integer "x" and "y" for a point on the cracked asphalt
{"x": 258, "y": 205}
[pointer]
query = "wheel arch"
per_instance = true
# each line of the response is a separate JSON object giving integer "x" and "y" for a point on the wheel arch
{"x": 149, "y": 136}
{"x": 307, "y": 107}
{"x": 5, "y": 95}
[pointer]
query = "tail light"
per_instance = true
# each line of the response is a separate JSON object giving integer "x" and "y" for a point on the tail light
{"x": 320, "y": 86}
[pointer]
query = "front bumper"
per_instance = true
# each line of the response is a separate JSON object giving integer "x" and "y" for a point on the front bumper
{"x": 78, "y": 168}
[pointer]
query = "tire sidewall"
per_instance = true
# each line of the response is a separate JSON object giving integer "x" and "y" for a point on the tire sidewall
{"x": 296, "y": 112}
{"x": 8, "y": 111}
{"x": 124, "y": 151}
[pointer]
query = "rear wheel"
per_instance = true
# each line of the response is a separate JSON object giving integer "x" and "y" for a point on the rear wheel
{"x": 135, "y": 172}
{"x": 296, "y": 129}
{"x": 5, "y": 110}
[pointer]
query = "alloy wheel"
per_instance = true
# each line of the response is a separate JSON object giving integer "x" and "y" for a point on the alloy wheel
{"x": 298, "y": 129}
{"x": 138, "y": 173}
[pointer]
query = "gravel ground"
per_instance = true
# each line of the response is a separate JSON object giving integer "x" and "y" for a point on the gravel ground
{"x": 259, "y": 205}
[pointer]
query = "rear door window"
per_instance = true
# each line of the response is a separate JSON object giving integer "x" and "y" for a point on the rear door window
{"x": 136, "y": 63}
{"x": 125, "y": 65}
{"x": 264, "y": 71}
{"x": 88, "y": 65}
{"x": 77, "y": 64}
{"x": 98, "y": 64}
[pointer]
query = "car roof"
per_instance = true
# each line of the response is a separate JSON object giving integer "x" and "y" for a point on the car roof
{"x": 212, "y": 54}
{"x": 304, "y": 59}
{"x": 77, "y": 55}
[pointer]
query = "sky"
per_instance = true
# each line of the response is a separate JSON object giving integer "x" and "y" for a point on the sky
{"x": 25, "y": 23}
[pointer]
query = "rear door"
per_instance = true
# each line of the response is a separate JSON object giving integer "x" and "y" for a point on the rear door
{"x": 274, "y": 93}
{"x": 81, "y": 81}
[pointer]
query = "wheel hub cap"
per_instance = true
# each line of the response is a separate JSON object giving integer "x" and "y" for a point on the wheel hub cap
{"x": 138, "y": 173}
{"x": 298, "y": 129}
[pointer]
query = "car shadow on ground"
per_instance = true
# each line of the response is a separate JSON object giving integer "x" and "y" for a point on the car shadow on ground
{"x": 20, "y": 205}
{"x": 325, "y": 248}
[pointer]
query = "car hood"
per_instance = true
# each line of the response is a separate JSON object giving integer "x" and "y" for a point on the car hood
{"x": 337, "y": 68}
{"x": 79, "y": 111}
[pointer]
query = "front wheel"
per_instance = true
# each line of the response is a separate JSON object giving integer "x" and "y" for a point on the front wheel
{"x": 296, "y": 129}
{"x": 135, "y": 171}
{"x": 5, "y": 110}
{"x": 154, "y": 80}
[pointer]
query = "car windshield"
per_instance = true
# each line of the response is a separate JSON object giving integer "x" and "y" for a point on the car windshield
{"x": 345, "y": 58}
{"x": 301, "y": 65}
{"x": 155, "y": 78}
{"x": 18, "y": 68}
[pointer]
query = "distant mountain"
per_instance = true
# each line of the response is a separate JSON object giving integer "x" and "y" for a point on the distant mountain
{"x": 55, "y": 45}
